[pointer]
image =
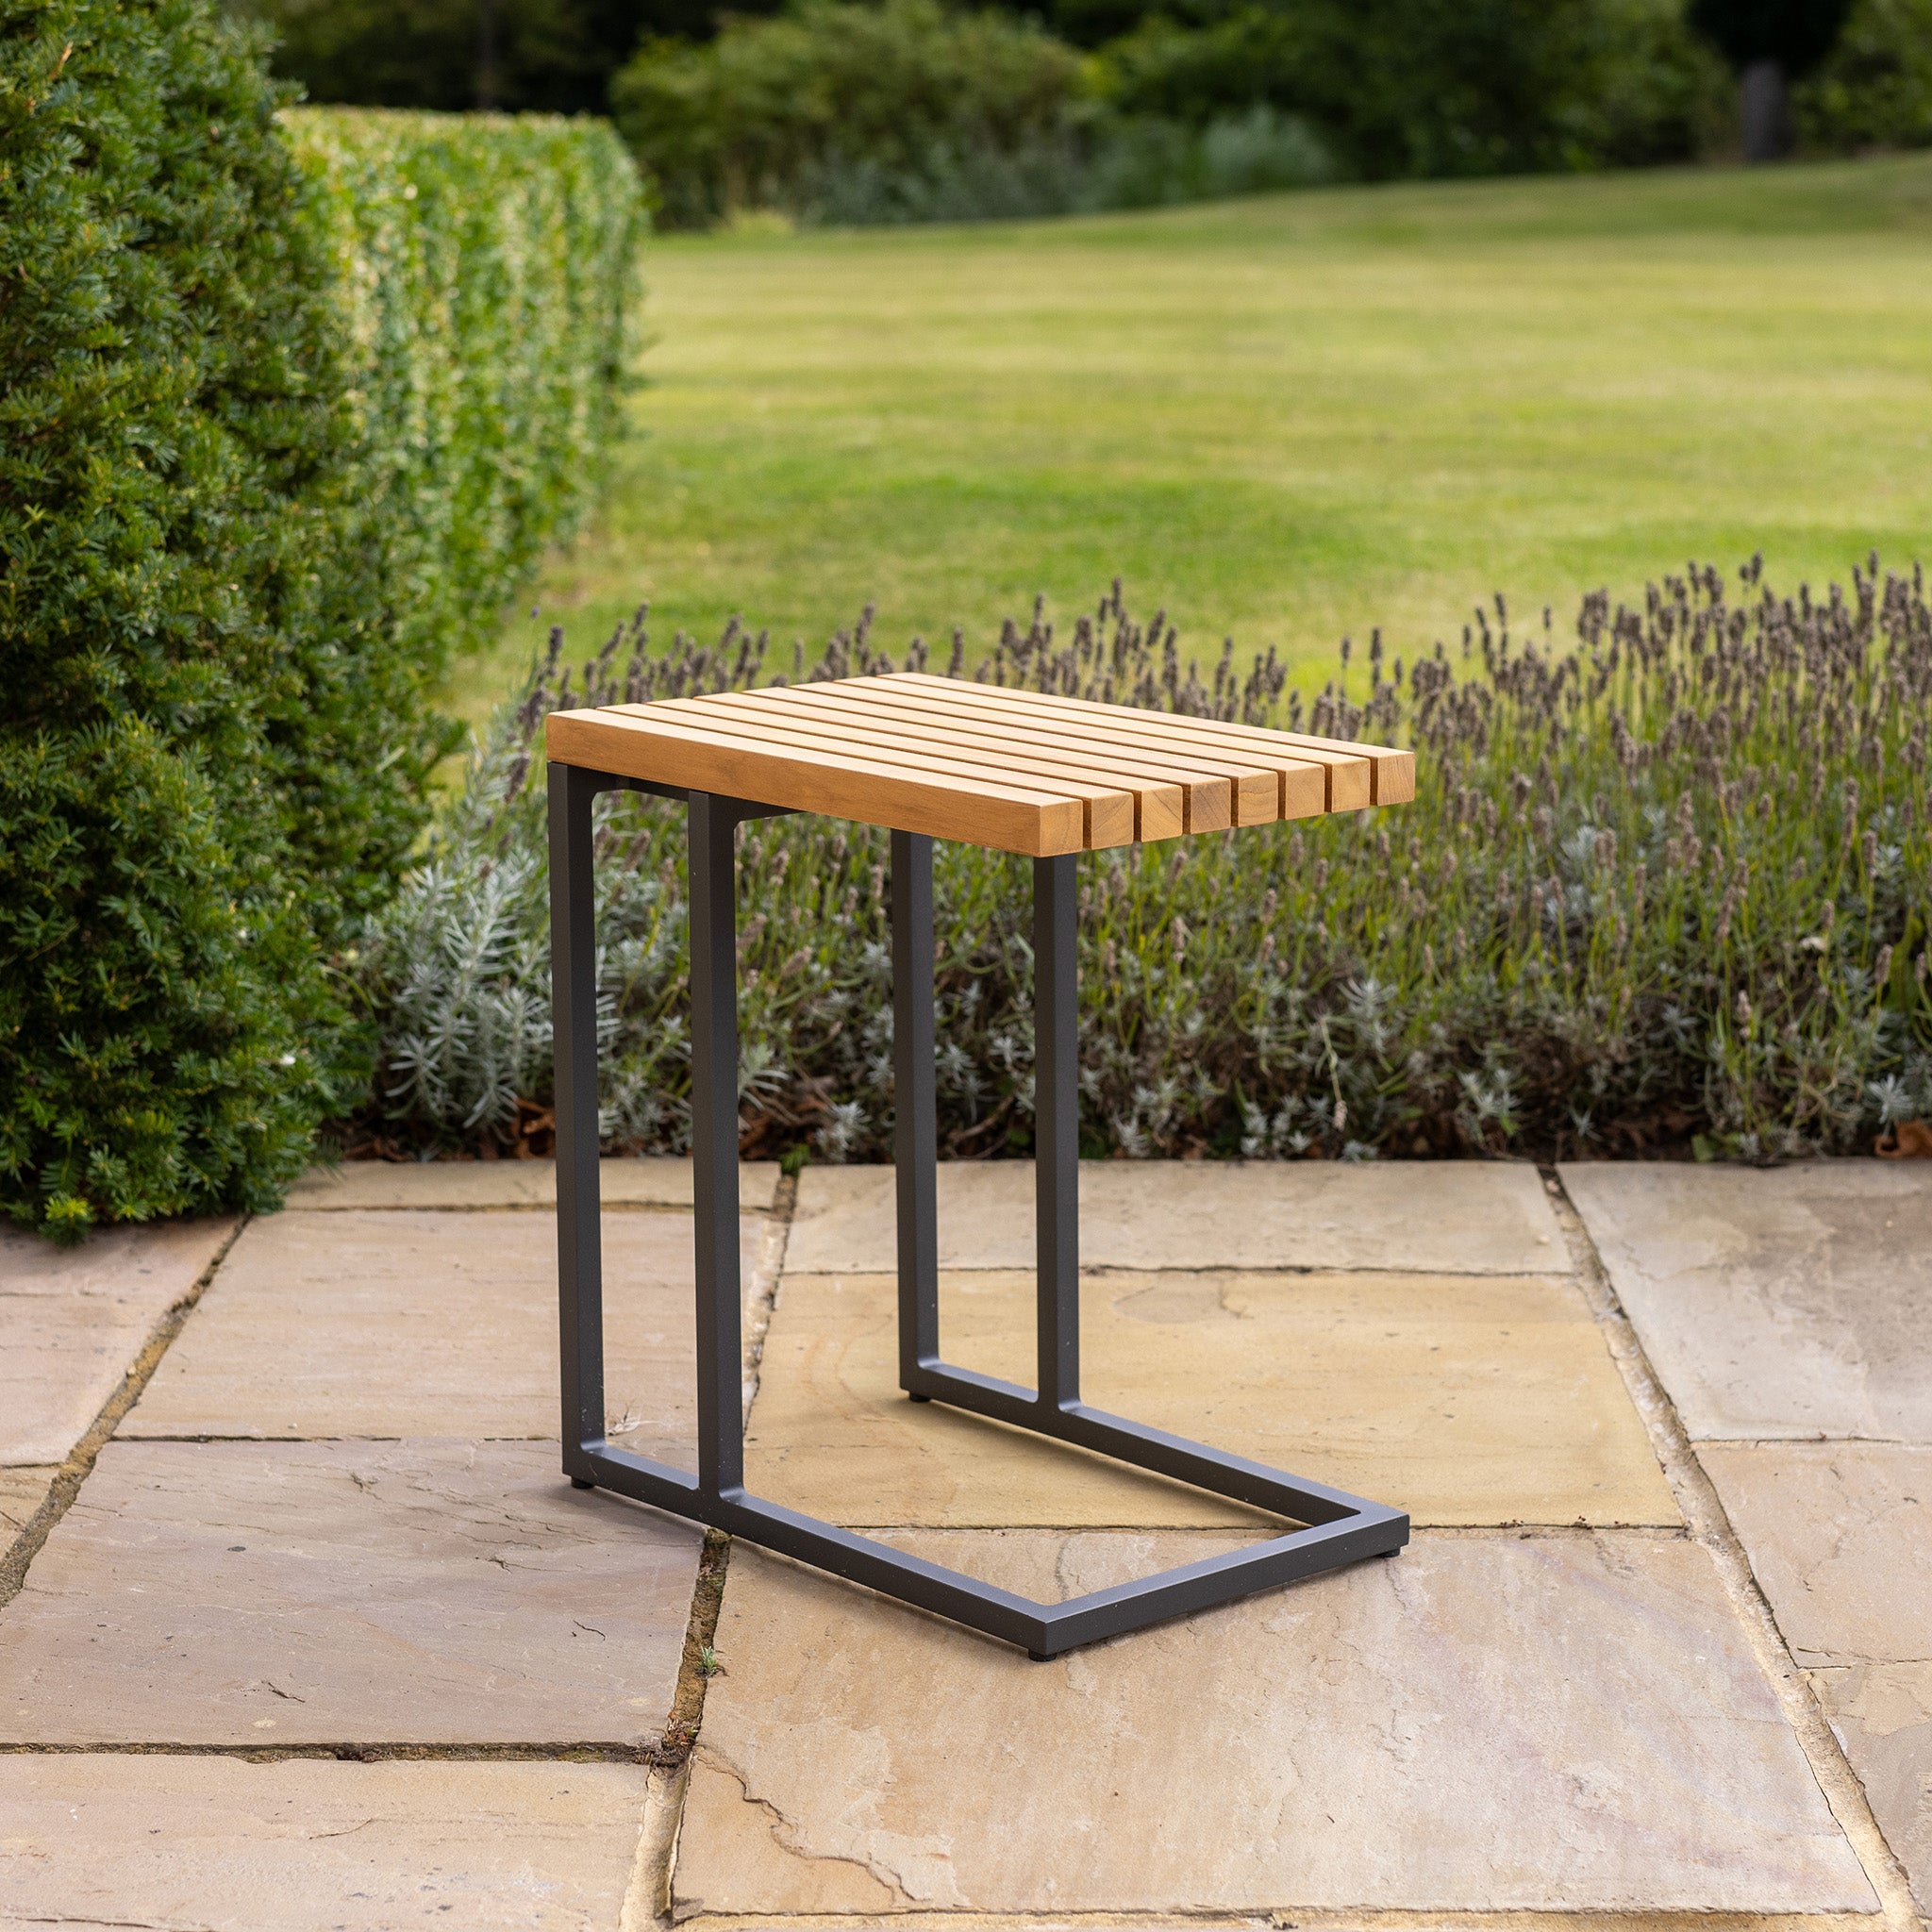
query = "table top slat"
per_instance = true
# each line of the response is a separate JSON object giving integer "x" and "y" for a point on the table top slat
{"x": 1354, "y": 769}
{"x": 1110, "y": 808}
{"x": 1160, "y": 802}
{"x": 1027, "y": 771}
{"x": 1202, "y": 797}
{"x": 1305, "y": 777}
{"x": 976, "y": 812}
{"x": 1220, "y": 792}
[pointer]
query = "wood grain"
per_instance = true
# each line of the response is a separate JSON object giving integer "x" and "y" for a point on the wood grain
{"x": 1115, "y": 808}
{"x": 1029, "y": 772}
{"x": 1220, "y": 792}
{"x": 1162, "y": 784}
{"x": 1350, "y": 775}
{"x": 1010, "y": 818}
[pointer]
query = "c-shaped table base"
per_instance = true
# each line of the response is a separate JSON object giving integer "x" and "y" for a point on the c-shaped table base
{"x": 1337, "y": 1529}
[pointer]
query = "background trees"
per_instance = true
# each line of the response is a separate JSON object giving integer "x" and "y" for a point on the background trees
{"x": 1770, "y": 42}
{"x": 1386, "y": 89}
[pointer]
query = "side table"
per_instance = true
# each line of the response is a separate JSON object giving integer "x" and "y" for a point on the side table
{"x": 928, "y": 758}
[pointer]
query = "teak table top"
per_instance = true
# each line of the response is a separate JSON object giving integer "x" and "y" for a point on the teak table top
{"x": 1018, "y": 770}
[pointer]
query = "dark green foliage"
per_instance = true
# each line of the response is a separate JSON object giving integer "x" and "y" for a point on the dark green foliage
{"x": 170, "y": 1035}
{"x": 169, "y": 400}
{"x": 845, "y": 110}
{"x": 553, "y": 56}
{"x": 1770, "y": 42}
{"x": 1875, "y": 88}
{"x": 255, "y": 481}
{"x": 1412, "y": 88}
{"x": 752, "y": 119}
{"x": 1797, "y": 34}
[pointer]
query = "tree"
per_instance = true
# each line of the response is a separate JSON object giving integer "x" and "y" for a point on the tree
{"x": 1408, "y": 89}
{"x": 1769, "y": 43}
{"x": 546, "y": 56}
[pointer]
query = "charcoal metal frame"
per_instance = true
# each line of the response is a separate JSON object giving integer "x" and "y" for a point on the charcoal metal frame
{"x": 1338, "y": 1529}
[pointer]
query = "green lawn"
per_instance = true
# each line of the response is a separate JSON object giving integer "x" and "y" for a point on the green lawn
{"x": 1284, "y": 418}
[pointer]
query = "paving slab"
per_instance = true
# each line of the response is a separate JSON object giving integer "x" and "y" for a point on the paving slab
{"x": 72, "y": 1320}
{"x": 1438, "y": 1217}
{"x": 624, "y": 1181}
{"x": 401, "y": 1322}
{"x": 227, "y": 1846}
{"x": 1839, "y": 1535}
{"x": 1567, "y": 1721}
{"x": 1882, "y": 1716}
{"x": 241, "y": 1593}
{"x": 22, "y": 1492}
{"x": 1782, "y": 1302}
{"x": 1464, "y": 1399}
{"x": 1840, "y": 1538}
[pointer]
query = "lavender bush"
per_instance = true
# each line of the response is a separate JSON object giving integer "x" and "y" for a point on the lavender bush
{"x": 1664, "y": 885}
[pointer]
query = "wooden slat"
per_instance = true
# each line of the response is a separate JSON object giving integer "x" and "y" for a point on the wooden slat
{"x": 1302, "y": 778}
{"x": 1110, "y": 808}
{"x": 1173, "y": 797}
{"x": 1347, "y": 780}
{"x": 1010, "y": 818}
{"x": 1219, "y": 793}
{"x": 1157, "y": 808}
{"x": 1111, "y": 824}
{"x": 1350, "y": 775}
{"x": 1255, "y": 787}
{"x": 1391, "y": 770}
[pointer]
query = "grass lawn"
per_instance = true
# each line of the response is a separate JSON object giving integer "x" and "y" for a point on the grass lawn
{"x": 1285, "y": 418}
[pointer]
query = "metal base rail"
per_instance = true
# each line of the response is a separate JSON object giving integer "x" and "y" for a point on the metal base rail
{"x": 1336, "y": 1528}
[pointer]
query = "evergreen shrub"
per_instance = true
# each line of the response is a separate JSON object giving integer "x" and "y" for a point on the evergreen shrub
{"x": 749, "y": 120}
{"x": 229, "y": 482}
{"x": 1664, "y": 888}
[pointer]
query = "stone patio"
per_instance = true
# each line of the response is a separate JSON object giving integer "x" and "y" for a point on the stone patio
{"x": 301, "y": 1625}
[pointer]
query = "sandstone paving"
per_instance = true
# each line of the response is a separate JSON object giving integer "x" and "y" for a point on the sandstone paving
{"x": 73, "y": 1320}
{"x": 246, "y": 1593}
{"x": 1839, "y": 1535}
{"x": 223, "y": 1845}
{"x": 624, "y": 1181}
{"x": 22, "y": 1492}
{"x": 1440, "y": 1217}
{"x": 1840, "y": 1538}
{"x": 1497, "y": 1721}
{"x": 396, "y": 1323}
{"x": 1783, "y": 1302}
{"x": 1462, "y": 1399}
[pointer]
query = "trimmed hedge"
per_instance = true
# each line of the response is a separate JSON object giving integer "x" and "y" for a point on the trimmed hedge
{"x": 486, "y": 269}
{"x": 233, "y": 473}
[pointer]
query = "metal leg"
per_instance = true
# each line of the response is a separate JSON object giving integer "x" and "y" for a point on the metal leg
{"x": 915, "y": 1135}
{"x": 1337, "y": 1529}
{"x": 1057, "y": 1127}
{"x": 713, "y": 829}
{"x": 574, "y": 1000}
